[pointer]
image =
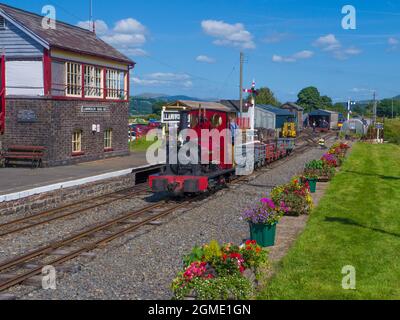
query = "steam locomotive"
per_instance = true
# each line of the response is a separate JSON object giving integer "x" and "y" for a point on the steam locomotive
{"x": 187, "y": 174}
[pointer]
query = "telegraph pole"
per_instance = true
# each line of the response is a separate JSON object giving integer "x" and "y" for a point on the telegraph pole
{"x": 241, "y": 83}
{"x": 91, "y": 22}
{"x": 374, "y": 108}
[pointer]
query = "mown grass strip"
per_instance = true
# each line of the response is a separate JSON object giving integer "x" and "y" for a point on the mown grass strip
{"x": 356, "y": 223}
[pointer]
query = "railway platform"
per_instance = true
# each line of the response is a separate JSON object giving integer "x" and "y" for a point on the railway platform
{"x": 16, "y": 182}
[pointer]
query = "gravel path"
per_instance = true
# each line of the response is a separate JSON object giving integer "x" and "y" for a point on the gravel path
{"x": 143, "y": 264}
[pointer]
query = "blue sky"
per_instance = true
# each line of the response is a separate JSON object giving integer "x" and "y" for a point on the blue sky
{"x": 192, "y": 47}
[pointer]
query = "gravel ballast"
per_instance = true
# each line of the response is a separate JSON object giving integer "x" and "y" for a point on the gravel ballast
{"x": 143, "y": 264}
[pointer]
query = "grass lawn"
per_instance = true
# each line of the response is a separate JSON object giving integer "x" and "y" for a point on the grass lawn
{"x": 392, "y": 130}
{"x": 140, "y": 145}
{"x": 356, "y": 223}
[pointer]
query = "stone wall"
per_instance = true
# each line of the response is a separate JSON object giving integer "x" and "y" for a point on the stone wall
{"x": 55, "y": 122}
{"x": 54, "y": 199}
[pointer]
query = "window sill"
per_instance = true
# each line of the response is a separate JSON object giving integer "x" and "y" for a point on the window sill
{"x": 108, "y": 149}
{"x": 78, "y": 154}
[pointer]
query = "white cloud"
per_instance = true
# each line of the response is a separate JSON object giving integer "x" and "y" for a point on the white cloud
{"x": 305, "y": 54}
{"x": 125, "y": 40}
{"x": 100, "y": 25}
{"x": 228, "y": 34}
{"x": 360, "y": 90}
{"x": 127, "y": 36}
{"x": 205, "y": 59}
{"x": 135, "y": 52}
{"x": 164, "y": 79}
{"x": 129, "y": 25}
{"x": 393, "y": 41}
{"x": 276, "y": 37}
{"x": 329, "y": 43}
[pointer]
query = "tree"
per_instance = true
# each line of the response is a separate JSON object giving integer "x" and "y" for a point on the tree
{"x": 309, "y": 99}
{"x": 266, "y": 96}
{"x": 339, "y": 107}
{"x": 384, "y": 108}
{"x": 326, "y": 102}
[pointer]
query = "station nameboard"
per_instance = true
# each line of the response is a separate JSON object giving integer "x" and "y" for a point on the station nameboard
{"x": 93, "y": 109}
{"x": 379, "y": 126}
{"x": 170, "y": 117}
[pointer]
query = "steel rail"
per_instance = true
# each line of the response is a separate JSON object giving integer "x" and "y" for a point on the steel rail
{"x": 88, "y": 247}
{"x": 55, "y": 211}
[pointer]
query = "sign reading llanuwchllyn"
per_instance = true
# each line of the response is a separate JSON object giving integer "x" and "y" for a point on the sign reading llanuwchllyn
{"x": 170, "y": 117}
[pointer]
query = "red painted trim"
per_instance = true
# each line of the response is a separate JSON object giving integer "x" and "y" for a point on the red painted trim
{"x": 78, "y": 154}
{"x": 47, "y": 72}
{"x": 108, "y": 149}
{"x": 104, "y": 83}
{"x": 128, "y": 90}
{"x": 104, "y": 71}
{"x": 61, "y": 98}
{"x": 82, "y": 81}
{"x": 3, "y": 94}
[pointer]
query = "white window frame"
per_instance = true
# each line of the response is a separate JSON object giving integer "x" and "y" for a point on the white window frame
{"x": 73, "y": 79}
{"x": 116, "y": 84}
{"x": 108, "y": 137}
{"x": 93, "y": 81}
{"x": 77, "y": 141}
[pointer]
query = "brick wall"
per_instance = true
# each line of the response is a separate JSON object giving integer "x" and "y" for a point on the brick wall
{"x": 56, "y": 122}
{"x": 54, "y": 199}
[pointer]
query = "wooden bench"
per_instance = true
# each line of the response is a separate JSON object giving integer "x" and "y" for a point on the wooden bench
{"x": 34, "y": 154}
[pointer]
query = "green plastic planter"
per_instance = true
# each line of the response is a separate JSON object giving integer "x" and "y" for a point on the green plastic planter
{"x": 264, "y": 234}
{"x": 313, "y": 185}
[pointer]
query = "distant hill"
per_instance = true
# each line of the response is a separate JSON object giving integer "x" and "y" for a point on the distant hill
{"x": 397, "y": 97}
{"x": 147, "y": 103}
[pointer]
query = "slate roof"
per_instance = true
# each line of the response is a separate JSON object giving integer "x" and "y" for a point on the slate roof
{"x": 293, "y": 105}
{"x": 320, "y": 112}
{"x": 204, "y": 105}
{"x": 65, "y": 36}
{"x": 275, "y": 110}
{"x": 235, "y": 105}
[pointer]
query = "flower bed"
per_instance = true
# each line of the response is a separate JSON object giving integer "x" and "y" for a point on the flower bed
{"x": 324, "y": 169}
{"x": 214, "y": 272}
{"x": 295, "y": 195}
{"x": 319, "y": 169}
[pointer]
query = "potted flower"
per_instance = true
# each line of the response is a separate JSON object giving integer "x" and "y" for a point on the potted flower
{"x": 295, "y": 195}
{"x": 263, "y": 218}
{"x": 215, "y": 272}
{"x": 312, "y": 181}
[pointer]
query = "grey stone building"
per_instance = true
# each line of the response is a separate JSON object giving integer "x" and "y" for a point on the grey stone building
{"x": 62, "y": 88}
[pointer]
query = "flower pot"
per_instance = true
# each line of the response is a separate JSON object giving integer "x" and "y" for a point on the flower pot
{"x": 313, "y": 185}
{"x": 264, "y": 234}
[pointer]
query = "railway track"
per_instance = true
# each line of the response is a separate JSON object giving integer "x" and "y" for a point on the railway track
{"x": 69, "y": 210}
{"x": 22, "y": 268}
{"x": 17, "y": 270}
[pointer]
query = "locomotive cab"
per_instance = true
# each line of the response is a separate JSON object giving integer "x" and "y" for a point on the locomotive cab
{"x": 193, "y": 142}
